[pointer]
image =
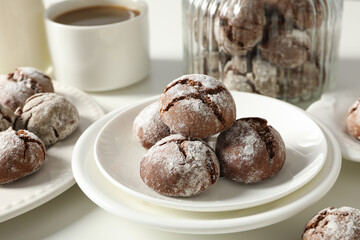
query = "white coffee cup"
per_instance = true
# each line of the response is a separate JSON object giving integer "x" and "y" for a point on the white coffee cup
{"x": 102, "y": 57}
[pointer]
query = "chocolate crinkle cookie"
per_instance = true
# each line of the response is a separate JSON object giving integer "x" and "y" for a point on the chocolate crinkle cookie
{"x": 267, "y": 77}
{"x": 250, "y": 151}
{"x": 180, "y": 167}
{"x": 13, "y": 94}
{"x": 241, "y": 28}
{"x": 301, "y": 13}
{"x": 24, "y": 82}
{"x": 197, "y": 106}
{"x": 253, "y": 75}
{"x": 353, "y": 120}
{"x": 21, "y": 153}
{"x": 33, "y": 78}
{"x": 236, "y": 76}
{"x": 287, "y": 49}
{"x": 148, "y": 128}
{"x": 334, "y": 224}
{"x": 48, "y": 115}
{"x": 7, "y": 117}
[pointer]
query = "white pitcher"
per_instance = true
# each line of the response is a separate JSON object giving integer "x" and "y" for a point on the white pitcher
{"x": 22, "y": 36}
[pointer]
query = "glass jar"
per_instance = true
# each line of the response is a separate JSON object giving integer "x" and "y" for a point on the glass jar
{"x": 280, "y": 48}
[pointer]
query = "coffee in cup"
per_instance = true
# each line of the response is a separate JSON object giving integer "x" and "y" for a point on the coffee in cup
{"x": 96, "y": 15}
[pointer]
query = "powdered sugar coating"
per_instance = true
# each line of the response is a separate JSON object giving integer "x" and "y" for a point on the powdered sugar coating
{"x": 13, "y": 94}
{"x": 32, "y": 72}
{"x": 199, "y": 118}
{"x": 333, "y": 224}
{"x": 148, "y": 128}
{"x": 175, "y": 92}
{"x": 21, "y": 153}
{"x": 250, "y": 151}
{"x": 288, "y": 49}
{"x": 50, "y": 116}
{"x": 353, "y": 120}
{"x": 221, "y": 100}
{"x": 207, "y": 81}
{"x": 180, "y": 167}
{"x": 237, "y": 82}
{"x": 34, "y": 79}
{"x": 236, "y": 76}
{"x": 267, "y": 77}
{"x": 193, "y": 105}
{"x": 16, "y": 87}
{"x": 7, "y": 117}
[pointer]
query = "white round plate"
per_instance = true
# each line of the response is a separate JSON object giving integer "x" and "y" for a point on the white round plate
{"x": 331, "y": 110}
{"x": 118, "y": 157}
{"x": 55, "y": 176}
{"x": 112, "y": 199}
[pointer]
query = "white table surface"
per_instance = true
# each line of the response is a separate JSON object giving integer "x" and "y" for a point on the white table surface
{"x": 72, "y": 215}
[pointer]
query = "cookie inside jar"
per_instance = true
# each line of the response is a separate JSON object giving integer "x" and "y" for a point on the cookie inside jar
{"x": 284, "y": 49}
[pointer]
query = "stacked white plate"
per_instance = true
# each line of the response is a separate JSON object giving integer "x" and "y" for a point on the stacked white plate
{"x": 106, "y": 163}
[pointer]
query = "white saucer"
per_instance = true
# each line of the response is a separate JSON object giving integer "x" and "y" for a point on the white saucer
{"x": 55, "y": 176}
{"x": 331, "y": 110}
{"x": 112, "y": 199}
{"x": 118, "y": 157}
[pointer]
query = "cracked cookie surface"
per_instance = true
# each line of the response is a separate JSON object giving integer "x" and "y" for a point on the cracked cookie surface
{"x": 334, "y": 223}
{"x": 21, "y": 153}
{"x": 50, "y": 116}
{"x": 250, "y": 151}
{"x": 24, "y": 82}
{"x": 180, "y": 167}
{"x": 197, "y": 106}
{"x": 33, "y": 78}
{"x": 13, "y": 94}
